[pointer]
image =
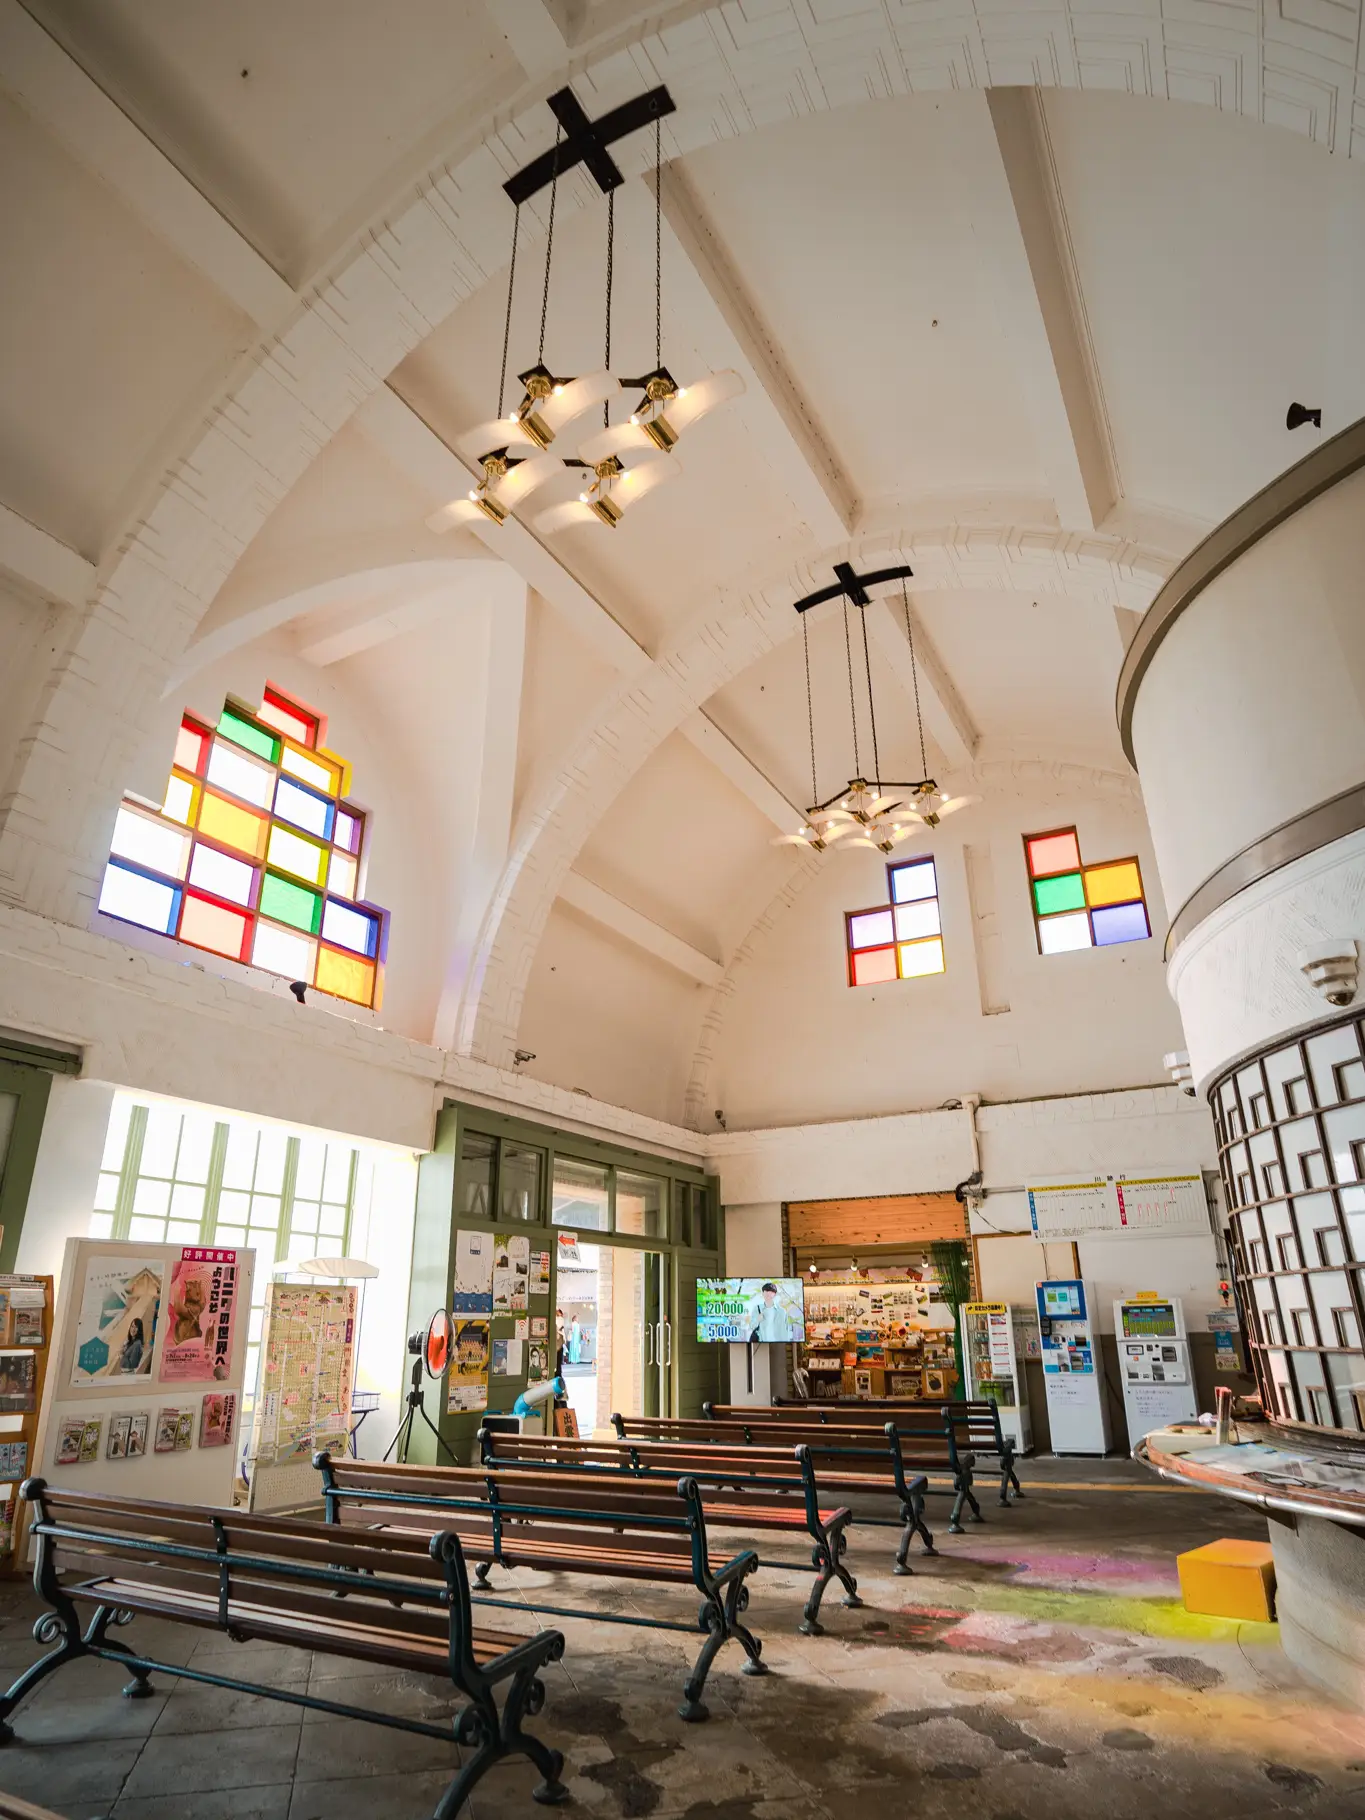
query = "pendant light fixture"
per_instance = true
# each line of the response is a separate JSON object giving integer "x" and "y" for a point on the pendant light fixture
{"x": 867, "y": 812}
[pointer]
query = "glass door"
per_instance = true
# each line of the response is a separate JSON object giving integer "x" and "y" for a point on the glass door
{"x": 611, "y": 1308}
{"x": 654, "y": 1388}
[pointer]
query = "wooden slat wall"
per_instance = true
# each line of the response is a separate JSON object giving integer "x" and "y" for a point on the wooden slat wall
{"x": 895, "y": 1219}
{"x": 696, "y": 1367}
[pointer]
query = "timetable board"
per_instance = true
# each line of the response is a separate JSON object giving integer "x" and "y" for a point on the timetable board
{"x": 1161, "y": 1205}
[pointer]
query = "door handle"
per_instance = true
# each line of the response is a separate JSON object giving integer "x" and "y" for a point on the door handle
{"x": 669, "y": 1326}
{"x": 649, "y": 1329}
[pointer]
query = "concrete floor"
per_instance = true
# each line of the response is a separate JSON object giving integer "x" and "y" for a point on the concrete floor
{"x": 1042, "y": 1665}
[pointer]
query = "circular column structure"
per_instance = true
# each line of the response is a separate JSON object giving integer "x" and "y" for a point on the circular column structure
{"x": 1242, "y": 705}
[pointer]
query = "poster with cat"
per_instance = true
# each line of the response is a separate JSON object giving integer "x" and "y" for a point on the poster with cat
{"x": 202, "y": 1316}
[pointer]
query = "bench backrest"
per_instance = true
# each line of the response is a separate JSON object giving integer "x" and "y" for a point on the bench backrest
{"x": 663, "y": 1515}
{"x": 927, "y": 1444}
{"x": 212, "y": 1559}
{"x": 976, "y": 1420}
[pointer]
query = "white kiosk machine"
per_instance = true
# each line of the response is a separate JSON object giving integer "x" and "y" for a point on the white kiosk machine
{"x": 1154, "y": 1362}
{"x": 1073, "y": 1369}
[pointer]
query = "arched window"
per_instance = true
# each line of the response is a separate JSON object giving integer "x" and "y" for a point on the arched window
{"x": 255, "y": 853}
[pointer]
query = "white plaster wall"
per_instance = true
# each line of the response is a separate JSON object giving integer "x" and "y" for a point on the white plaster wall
{"x": 753, "y": 1239}
{"x": 32, "y": 631}
{"x": 795, "y": 1042}
{"x": 1253, "y": 709}
{"x": 382, "y": 1233}
{"x": 1236, "y": 977}
{"x": 66, "y": 1172}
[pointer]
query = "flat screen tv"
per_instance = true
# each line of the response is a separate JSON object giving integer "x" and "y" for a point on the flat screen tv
{"x": 736, "y": 1309}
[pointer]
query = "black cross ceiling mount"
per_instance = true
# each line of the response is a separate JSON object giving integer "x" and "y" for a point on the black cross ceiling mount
{"x": 585, "y": 141}
{"x": 853, "y": 586}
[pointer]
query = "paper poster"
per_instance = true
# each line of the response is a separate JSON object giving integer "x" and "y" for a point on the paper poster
{"x": 70, "y": 1434}
{"x": 540, "y": 1326}
{"x": 473, "y": 1292}
{"x": 521, "y": 1329}
{"x": 201, "y": 1316}
{"x": 137, "y": 1434}
{"x": 511, "y": 1272}
{"x": 540, "y": 1273}
{"x": 467, "y": 1383}
{"x": 217, "y": 1414}
{"x": 116, "y": 1327}
{"x": 507, "y": 1358}
{"x": 538, "y": 1362}
{"x": 308, "y": 1363}
{"x": 18, "y": 1382}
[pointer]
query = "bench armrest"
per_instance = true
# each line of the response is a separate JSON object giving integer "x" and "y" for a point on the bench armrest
{"x": 535, "y": 1652}
{"x": 735, "y": 1569}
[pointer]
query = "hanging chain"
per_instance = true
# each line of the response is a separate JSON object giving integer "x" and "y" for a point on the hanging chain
{"x": 871, "y": 705}
{"x": 810, "y": 714}
{"x": 611, "y": 246}
{"x": 852, "y": 705}
{"x": 507, "y": 324}
{"x": 914, "y": 672}
{"x": 658, "y": 243}
{"x": 549, "y": 247}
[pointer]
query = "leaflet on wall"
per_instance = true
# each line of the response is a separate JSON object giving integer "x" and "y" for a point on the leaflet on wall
{"x": 217, "y": 1414}
{"x": 540, "y": 1273}
{"x": 127, "y": 1437}
{"x": 120, "y": 1304}
{"x": 473, "y": 1292}
{"x": 202, "y": 1317}
{"x": 538, "y": 1362}
{"x": 174, "y": 1431}
{"x": 467, "y": 1383}
{"x": 23, "y": 1302}
{"x": 507, "y": 1358}
{"x": 511, "y": 1272}
{"x": 18, "y": 1383}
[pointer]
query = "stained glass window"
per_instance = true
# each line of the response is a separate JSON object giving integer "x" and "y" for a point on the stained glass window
{"x": 902, "y": 940}
{"x": 255, "y": 852}
{"x": 1079, "y": 906}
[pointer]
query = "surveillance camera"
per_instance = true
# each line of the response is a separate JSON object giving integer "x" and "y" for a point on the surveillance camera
{"x": 1177, "y": 1065}
{"x": 1332, "y": 968}
{"x": 720, "y": 1118}
{"x": 521, "y": 1056}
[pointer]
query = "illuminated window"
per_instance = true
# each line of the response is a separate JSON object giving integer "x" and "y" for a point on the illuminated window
{"x": 902, "y": 940}
{"x": 254, "y": 852}
{"x": 1076, "y": 906}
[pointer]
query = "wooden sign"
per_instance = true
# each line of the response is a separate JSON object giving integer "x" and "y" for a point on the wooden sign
{"x": 894, "y": 1219}
{"x": 566, "y": 1424}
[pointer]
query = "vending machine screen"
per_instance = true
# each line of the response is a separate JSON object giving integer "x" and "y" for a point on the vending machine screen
{"x": 1062, "y": 1301}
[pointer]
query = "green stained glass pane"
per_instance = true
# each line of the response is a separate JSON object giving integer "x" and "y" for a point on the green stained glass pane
{"x": 282, "y": 901}
{"x": 1053, "y": 894}
{"x": 247, "y": 733}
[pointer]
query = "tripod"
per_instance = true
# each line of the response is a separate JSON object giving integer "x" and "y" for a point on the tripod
{"x": 416, "y": 1407}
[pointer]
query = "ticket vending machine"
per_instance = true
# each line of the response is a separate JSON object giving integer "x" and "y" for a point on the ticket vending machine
{"x": 1154, "y": 1363}
{"x": 1073, "y": 1367}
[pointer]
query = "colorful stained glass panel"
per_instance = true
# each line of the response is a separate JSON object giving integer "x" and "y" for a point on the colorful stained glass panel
{"x": 914, "y": 921}
{"x": 217, "y": 927}
{"x": 347, "y": 831}
{"x": 290, "y": 903}
{"x": 291, "y": 853}
{"x": 157, "y": 845}
{"x": 239, "y": 775}
{"x": 874, "y": 966}
{"x": 920, "y": 958}
{"x": 1120, "y": 923}
{"x": 190, "y": 744}
{"x": 221, "y": 875}
{"x": 871, "y": 929}
{"x": 912, "y": 882}
{"x": 182, "y": 799}
{"x": 284, "y": 951}
{"x": 275, "y": 711}
{"x": 1054, "y": 853}
{"x": 1060, "y": 934}
{"x": 349, "y": 928}
{"x": 309, "y": 770}
{"x": 345, "y": 975}
{"x": 1053, "y": 894}
{"x": 135, "y": 899}
{"x": 246, "y": 733}
{"x": 1118, "y": 883}
{"x": 303, "y": 808}
{"x": 341, "y": 875}
{"x": 232, "y": 825}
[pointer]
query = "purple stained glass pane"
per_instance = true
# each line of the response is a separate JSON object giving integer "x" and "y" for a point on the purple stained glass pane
{"x": 1120, "y": 923}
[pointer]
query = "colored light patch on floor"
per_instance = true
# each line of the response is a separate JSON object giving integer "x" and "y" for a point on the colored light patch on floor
{"x": 1099, "y": 1611}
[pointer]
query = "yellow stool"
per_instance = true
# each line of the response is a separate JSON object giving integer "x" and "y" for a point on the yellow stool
{"x": 1229, "y": 1579}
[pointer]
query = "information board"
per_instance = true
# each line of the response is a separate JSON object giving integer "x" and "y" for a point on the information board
{"x": 1072, "y": 1207}
{"x": 303, "y": 1402}
{"x": 1140, "y": 1206}
{"x": 1162, "y": 1204}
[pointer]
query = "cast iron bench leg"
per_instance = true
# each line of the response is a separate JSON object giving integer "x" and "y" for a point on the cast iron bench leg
{"x": 719, "y": 1618}
{"x": 140, "y": 1687}
{"x": 48, "y": 1628}
{"x": 827, "y": 1560}
{"x": 970, "y": 1496}
{"x": 495, "y": 1737}
{"x": 912, "y": 1515}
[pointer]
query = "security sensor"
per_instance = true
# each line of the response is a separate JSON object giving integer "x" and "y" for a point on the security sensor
{"x": 720, "y": 1118}
{"x": 299, "y": 989}
{"x": 1299, "y": 414}
{"x": 1177, "y": 1065}
{"x": 1332, "y": 968}
{"x": 521, "y": 1056}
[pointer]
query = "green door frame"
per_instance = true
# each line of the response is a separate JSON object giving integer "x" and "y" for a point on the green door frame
{"x": 31, "y": 1086}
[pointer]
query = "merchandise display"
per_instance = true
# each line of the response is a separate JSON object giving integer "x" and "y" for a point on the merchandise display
{"x": 878, "y": 1332}
{"x": 992, "y": 1366}
{"x": 25, "y": 1352}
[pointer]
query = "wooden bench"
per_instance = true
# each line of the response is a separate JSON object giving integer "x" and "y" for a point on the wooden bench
{"x": 926, "y": 1447}
{"x": 775, "y": 1492}
{"x": 976, "y": 1423}
{"x": 279, "y": 1580}
{"x": 649, "y": 1532}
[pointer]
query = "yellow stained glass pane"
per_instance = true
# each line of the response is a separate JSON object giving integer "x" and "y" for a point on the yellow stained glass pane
{"x": 182, "y": 799}
{"x": 232, "y": 825}
{"x": 345, "y": 975}
{"x": 309, "y": 769}
{"x": 291, "y": 853}
{"x": 1119, "y": 883}
{"x": 919, "y": 958}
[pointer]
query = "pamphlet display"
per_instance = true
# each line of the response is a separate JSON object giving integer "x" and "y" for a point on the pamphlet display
{"x": 1073, "y": 1367}
{"x": 1154, "y": 1363}
{"x": 25, "y": 1332}
{"x": 143, "y": 1335}
{"x": 993, "y": 1369}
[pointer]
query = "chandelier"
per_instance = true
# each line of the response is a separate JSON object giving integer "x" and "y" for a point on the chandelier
{"x": 517, "y": 453}
{"x": 867, "y": 811}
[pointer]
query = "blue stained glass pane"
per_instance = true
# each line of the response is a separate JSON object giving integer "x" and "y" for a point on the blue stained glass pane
{"x": 912, "y": 881}
{"x": 133, "y": 897}
{"x": 304, "y": 809}
{"x": 1120, "y": 923}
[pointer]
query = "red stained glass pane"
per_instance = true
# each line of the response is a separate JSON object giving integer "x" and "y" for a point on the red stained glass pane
{"x": 874, "y": 966}
{"x": 289, "y": 717}
{"x": 191, "y": 744}
{"x": 1054, "y": 853}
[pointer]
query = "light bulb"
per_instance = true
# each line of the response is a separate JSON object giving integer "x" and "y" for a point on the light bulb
{"x": 512, "y": 418}
{"x": 473, "y": 493}
{"x": 682, "y": 392}
{"x": 635, "y": 417}
{"x": 582, "y": 499}
{"x": 559, "y": 391}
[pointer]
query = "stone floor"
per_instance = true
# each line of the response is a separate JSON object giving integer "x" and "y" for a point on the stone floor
{"x": 1041, "y": 1665}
